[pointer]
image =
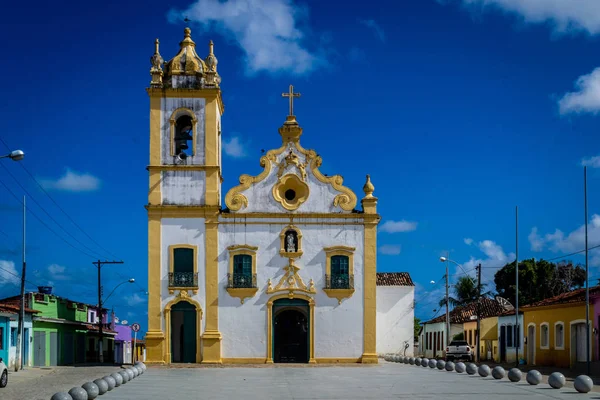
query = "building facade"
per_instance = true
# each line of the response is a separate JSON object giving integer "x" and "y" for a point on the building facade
{"x": 395, "y": 313}
{"x": 285, "y": 272}
{"x": 511, "y": 339}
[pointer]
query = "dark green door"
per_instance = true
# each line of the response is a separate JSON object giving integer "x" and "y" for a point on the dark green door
{"x": 183, "y": 333}
{"x": 291, "y": 331}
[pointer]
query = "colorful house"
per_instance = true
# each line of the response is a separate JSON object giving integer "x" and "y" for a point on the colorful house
{"x": 510, "y": 339}
{"x": 9, "y": 354}
{"x": 555, "y": 330}
{"x": 489, "y": 309}
{"x": 4, "y": 335}
{"x": 123, "y": 353}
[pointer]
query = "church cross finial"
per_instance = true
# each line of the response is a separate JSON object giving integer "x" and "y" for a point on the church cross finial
{"x": 291, "y": 95}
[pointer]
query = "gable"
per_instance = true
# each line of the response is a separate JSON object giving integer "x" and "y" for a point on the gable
{"x": 291, "y": 182}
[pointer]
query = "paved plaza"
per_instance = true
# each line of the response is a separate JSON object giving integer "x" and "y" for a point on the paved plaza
{"x": 383, "y": 381}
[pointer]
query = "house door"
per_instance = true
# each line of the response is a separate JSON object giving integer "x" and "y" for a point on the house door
{"x": 291, "y": 327}
{"x": 580, "y": 338}
{"x": 26, "y": 341}
{"x": 183, "y": 333}
{"x": 53, "y": 348}
{"x": 39, "y": 349}
{"x": 531, "y": 345}
{"x": 503, "y": 343}
{"x": 67, "y": 348}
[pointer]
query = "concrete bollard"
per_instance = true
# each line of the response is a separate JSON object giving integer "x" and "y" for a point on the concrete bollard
{"x": 91, "y": 389}
{"x": 556, "y": 380}
{"x": 515, "y": 375}
{"x": 441, "y": 364}
{"x": 583, "y": 384}
{"x": 118, "y": 378}
{"x": 78, "y": 393}
{"x": 411, "y": 361}
{"x": 424, "y": 362}
{"x": 130, "y": 372}
{"x": 418, "y": 361}
{"x": 102, "y": 386}
{"x": 125, "y": 376}
{"x": 449, "y": 366}
{"x": 498, "y": 372}
{"x": 471, "y": 368}
{"x": 534, "y": 377}
{"x": 432, "y": 363}
{"x": 110, "y": 381}
{"x": 460, "y": 367}
{"x": 484, "y": 370}
{"x": 61, "y": 396}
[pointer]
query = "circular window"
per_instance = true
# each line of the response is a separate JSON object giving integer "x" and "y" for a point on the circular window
{"x": 290, "y": 194}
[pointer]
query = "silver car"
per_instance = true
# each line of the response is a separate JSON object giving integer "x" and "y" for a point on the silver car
{"x": 3, "y": 374}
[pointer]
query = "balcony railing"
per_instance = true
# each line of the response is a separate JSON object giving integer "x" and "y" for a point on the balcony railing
{"x": 183, "y": 279}
{"x": 339, "y": 281}
{"x": 241, "y": 280}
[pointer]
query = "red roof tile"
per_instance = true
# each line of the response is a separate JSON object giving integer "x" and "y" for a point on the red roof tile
{"x": 394, "y": 279}
{"x": 489, "y": 308}
{"x": 574, "y": 296}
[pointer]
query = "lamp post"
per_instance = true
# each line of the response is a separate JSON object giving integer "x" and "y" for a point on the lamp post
{"x": 100, "y": 302}
{"x": 18, "y": 155}
{"x": 447, "y": 260}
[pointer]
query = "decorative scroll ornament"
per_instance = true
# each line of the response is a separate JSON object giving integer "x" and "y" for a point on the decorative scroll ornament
{"x": 291, "y": 282}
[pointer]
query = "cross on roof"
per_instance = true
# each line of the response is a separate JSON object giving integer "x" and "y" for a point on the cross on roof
{"x": 291, "y": 95}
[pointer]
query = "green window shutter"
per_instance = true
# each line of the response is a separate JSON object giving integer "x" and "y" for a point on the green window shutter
{"x": 339, "y": 265}
{"x": 183, "y": 260}
{"x": 242, "y": 264}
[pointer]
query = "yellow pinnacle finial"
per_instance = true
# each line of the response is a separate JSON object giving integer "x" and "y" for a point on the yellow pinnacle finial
{"x": 211, "y": 47}
{"x": 368, "y": 188}
{"x": 187, "y": 32}
{"x": 156, "y": 46}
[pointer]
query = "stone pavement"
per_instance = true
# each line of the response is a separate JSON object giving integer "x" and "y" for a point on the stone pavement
{"x": 42, "y": 383}
{"x": 384, "y": 381}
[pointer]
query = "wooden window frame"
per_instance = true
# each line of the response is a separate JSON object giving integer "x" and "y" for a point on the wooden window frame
{"x": 547, "y": 345}
{"x": 236, "y": 250}
{"x": 562, "y": 345}
{"x": 172, "y": 249}
{"x": 347, "y": 251}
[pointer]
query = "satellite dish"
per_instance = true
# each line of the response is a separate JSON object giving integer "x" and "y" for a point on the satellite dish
{"x": 124, "y": 322}
{"x": 504, "y": 303}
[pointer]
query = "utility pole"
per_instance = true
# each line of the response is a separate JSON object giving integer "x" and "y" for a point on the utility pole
{"x": 517, "y": 330}
{"x": 447, "y": 311}
{"x": 20, "y": 340}
{"x": 478, "y": 268}
{"x": 587, "y": 277}
{"x": 99, "y": 264}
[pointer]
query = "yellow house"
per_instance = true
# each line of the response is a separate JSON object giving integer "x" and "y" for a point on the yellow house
{"x": 488, "y": 342}
{"x": 555, "y": 330}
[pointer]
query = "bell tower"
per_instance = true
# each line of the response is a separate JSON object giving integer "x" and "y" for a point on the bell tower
{"x": 185, "y": 182}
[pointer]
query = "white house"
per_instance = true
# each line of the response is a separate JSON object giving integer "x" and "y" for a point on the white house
{"x": 508, "y": 338}
{"x": 285, "y": 271}
{"x": 395, "y": 313}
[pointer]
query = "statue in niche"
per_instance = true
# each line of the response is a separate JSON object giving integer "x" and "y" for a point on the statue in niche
{"x": 291, "y": 242}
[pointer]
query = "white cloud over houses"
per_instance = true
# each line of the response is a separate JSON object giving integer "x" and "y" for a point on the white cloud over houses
{"x": 269, "y": 32}
{"x": 73, "y": 181}
{"x": 234, "y": 148}
{"x": 586, "y": 96}
{"x": 565, "y": 16}
{"x": 495, "y": 258}
{"x": 592, "y": 162}
{"x": 398, "y": 226}
{"x": 390, "y": 249}
{"x": 468, "y": 241}
{"x": 8, "y": 273}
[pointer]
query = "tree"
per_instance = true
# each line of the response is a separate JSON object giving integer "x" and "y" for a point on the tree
{"x": 417, "y": 328}
{"x": 538, "y": 280}
{"x": 465, "y": 292}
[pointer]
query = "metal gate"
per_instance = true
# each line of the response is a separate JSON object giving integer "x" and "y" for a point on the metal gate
{"x": 53, "y": 349}
{"x": 67, "y": 342}
{"x": 39, "y": 349}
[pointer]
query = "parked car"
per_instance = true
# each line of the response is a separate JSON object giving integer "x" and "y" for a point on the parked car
{"x": 459, "y": 350}
{"x": 3, "y": 374}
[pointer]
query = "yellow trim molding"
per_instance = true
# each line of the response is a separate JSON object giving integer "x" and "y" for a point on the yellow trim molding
{"x": 339, "y": 294}
{"x": 282, "y": 248}
{"x": 181, "y": 211}
{"x": 242, "y": 249}
{"x": 155, "y": 338}
{"x": 172, "y": 248}
{"x": 183, "y": 296}
{"x": 171, "y": 167}
{"x": 291, "y": 282}
{"x": 181, "y": 111}
{"x": 290, "y": 184}
{"x": 356, "y": 217}
{"x": 311, "y": 305}
{"x": 208, "y": 93}
{"x": 211, "y": 339}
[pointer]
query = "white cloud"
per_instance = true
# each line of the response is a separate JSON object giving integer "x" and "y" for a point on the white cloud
{"x": 233, "y": 148}
{"x": 593, "y": 162}
{"x": 495, "y": 259}
{"x": 73, "y": 182}
{"x": 398, "y": 226}
{"x": 135, "y": 299}
{"x": 585, "y": 98}
{"x": 559, "y": 242}
{"x": 56, "y": 269}
{"x": 266, "y": 30}
{"x": 390, "y": 249}
{"x": 8, "y": 273}
{"x": 565, "y": 16}
{"x": 375, "y": 27}
{"x": 536, "y": 241}
{"x": 468, "y": 241}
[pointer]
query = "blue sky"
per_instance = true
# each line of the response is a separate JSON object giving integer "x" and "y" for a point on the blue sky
{"x": 459, "y": 112}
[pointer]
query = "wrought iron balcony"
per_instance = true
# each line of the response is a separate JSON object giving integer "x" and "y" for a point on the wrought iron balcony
{"x": 183, "y": 279}
{"x": 339, "y": 281}
{"x": 241, "y": 281}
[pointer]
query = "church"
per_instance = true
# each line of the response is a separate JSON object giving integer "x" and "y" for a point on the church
{"x": 281, "y": 268}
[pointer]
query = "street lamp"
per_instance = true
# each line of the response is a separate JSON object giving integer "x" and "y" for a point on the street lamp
{"x": 100, "y": 355}
{"x": 131, "y": 280}
{"x": 15, "y": 155}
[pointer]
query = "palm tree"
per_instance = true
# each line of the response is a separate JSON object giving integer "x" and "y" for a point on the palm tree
{"x": 465, "y": 292}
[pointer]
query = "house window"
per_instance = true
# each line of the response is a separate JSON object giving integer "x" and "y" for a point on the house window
{"x": 471, "y": 338}
{"x": 509, "y": 336}
{"x": 13, "y": 336}
{"x": 242, "y": 271}
{"x": 544, "y": 339}
{"x": 340, "y": 272}
{"x": 517, "y": 337}
{"x": 93, "y": 316}
{"x": 559, "y": 336}
{"x": 1, "y": 338}
{"x": 183, "y": 266}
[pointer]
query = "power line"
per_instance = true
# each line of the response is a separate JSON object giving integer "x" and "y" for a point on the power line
{"x": 58, "y": 206}
{"x": 17, "y": 275}
{"x": 47, "y": 213}
{"x": 43, "y": 223}
{"x": 572, "y": 254}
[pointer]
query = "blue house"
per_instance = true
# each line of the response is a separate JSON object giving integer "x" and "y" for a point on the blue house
{"x": 4, "y": 335}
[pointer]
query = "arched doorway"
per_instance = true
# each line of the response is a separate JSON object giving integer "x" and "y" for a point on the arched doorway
{"x": 291, "y": 331}
{"x": 184, "y": 333}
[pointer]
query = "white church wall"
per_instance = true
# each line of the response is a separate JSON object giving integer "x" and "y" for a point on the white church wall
{"x": 395, "y": 319}
{"x": 320, "y": 199}
{"x": 338, "y": 328}
{"x": 170, "y": 104}
{"x": 183, "y": 187}
{"x": 182, "y": 231}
